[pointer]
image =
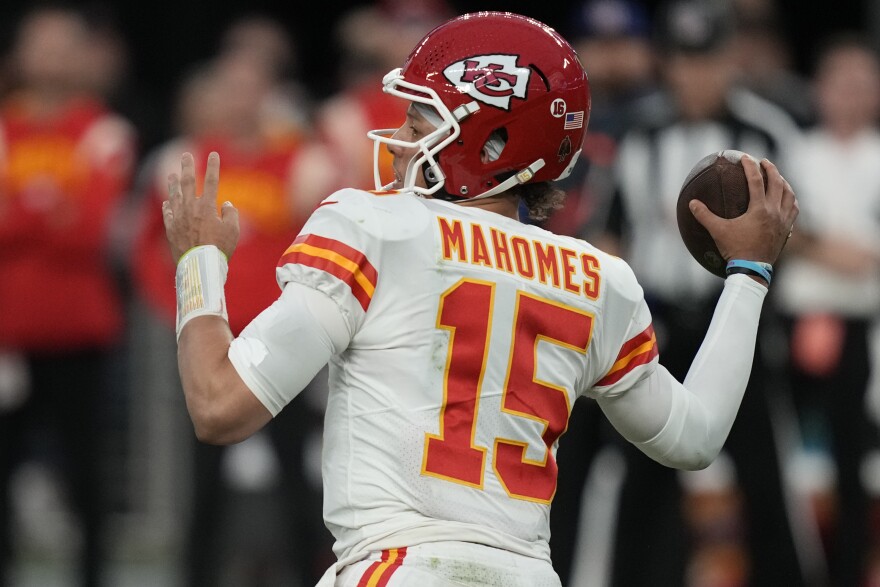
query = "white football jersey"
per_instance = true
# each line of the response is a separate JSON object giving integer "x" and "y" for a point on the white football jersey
{"x": 472, "y": 336}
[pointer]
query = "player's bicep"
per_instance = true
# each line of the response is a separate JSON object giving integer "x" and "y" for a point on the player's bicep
{"x": 222, "y": 409}
{"x": 663, "y": 419}
{"x": 280, "y": 352}
{"x": 245, "y": 413}
{"x": 641, "y": 412}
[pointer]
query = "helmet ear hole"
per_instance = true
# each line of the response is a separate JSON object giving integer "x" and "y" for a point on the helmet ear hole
{"x": 494, "y": 145}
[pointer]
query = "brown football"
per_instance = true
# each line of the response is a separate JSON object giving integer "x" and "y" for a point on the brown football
{"x": 719, "y": 181}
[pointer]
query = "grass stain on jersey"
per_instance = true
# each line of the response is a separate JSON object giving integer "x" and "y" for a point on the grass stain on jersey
{"x": 438, "y": 356}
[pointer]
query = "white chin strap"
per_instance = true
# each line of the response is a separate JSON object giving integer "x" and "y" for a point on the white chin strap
{"x": 519, "y": 178}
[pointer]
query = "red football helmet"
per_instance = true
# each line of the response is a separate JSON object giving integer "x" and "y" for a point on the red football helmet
{"x": 494, "y": 77}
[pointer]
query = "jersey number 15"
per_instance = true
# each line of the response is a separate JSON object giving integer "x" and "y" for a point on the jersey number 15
{"x": 466, "y": 311}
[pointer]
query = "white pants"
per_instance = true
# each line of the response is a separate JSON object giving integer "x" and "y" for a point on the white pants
{"x": 444, "y": 564}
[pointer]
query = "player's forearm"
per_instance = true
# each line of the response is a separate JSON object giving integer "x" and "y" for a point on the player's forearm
{"x": 222, "y": 409}
{"x": 201, "y": 351}
{"x": 717, "y": 379}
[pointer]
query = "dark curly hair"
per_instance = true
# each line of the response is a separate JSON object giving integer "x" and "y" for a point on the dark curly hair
{"x": 541, "y": 199}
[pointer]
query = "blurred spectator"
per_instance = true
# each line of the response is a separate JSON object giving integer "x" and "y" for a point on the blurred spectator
{"x": 764, "y": 58}
{"x": 374, "y": 39}
{"x": 65, "y": 165}
{"x": 275, "y": 181}
{"x": 829, "y": 287}
{"x": 735, "y": 514}
{"x": 288, "y": 106}
{"x": 613, "y": 40}
{"x": 107, "y": 71}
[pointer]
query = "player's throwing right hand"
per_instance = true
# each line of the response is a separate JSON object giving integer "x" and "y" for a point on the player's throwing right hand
{"x": 759, "y": 234}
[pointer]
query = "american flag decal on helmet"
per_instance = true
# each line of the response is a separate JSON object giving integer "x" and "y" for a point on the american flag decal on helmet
{"x": 574, "y": 120}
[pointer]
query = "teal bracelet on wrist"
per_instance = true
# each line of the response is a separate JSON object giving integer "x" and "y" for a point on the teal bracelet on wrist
{"x": 758, "y": 268}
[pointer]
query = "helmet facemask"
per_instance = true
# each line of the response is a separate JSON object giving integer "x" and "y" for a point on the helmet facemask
{"x": 425, "y": 161}
{"x": 447, "y": 130}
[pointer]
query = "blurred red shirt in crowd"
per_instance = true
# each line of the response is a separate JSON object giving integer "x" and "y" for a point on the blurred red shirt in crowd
{"x": 62, "y": 177}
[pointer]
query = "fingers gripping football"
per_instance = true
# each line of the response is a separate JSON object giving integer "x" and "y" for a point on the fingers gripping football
{"x": 762, "y": 231}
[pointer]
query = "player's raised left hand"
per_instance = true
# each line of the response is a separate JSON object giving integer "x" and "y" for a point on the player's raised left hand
{"x": 192, "y": 220}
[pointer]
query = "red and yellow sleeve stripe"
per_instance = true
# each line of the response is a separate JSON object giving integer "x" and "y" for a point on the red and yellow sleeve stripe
{"x": 338, "y": 259}
{"x": 638, "y": 350}
{"x": 379, "y": 573}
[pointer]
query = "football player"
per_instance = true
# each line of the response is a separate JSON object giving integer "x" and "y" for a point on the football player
{"x": 458, "y": 335}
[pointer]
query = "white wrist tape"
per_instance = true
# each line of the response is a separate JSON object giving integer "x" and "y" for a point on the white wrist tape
{"x": 201, "y": 275}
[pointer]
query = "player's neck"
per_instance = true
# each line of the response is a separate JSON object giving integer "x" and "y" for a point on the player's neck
{"x": 501, "y": 204}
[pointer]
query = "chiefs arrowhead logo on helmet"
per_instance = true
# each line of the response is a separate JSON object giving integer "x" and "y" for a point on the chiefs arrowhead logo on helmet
{"x": 493, "y": 79}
